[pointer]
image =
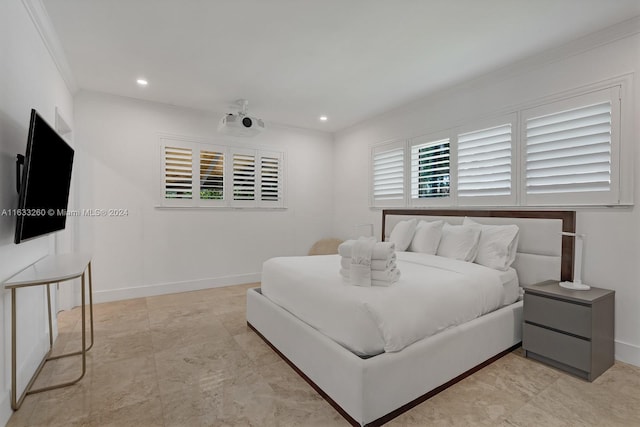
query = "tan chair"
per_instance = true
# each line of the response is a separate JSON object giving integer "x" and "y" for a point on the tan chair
{"x": 325, "y": 247}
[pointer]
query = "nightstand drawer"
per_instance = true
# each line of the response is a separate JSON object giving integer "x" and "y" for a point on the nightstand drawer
{"x": 563, "y": 348}
{"x": 561, "y": 315}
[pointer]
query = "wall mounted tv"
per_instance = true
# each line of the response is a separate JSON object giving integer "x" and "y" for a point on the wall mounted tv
{"x": 46, "y": 177}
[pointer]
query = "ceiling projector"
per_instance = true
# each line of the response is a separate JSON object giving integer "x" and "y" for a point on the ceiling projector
{"x": 240, "y": 123}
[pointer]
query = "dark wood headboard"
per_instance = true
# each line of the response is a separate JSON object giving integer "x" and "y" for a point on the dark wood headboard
{"x": 568, "y": 225}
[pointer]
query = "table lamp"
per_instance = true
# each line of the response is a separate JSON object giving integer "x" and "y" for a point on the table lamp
{"x": 577, "y": 284}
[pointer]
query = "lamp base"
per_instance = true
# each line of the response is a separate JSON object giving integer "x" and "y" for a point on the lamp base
{"x": 575, "y": 286}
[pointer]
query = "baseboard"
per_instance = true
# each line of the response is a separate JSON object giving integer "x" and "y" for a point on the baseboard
{"x": 172, "y": 288}
{"x": 5, "y": 408}
{"x": 628, "y": 353}
{"x": 27, "y": 366}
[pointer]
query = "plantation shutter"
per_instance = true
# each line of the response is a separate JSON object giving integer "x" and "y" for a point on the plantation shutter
{"x": 270, "y": 179}
{"x": 485, "y": 171}
{"x": 569, "y": 154}
{"x": 211, "y": 175}
{"x": 388, "y": 175}
{"x": 244, "y": 177}
{"x": 178, "y": 173}
{"x": 430, "y": 169}
{"x": 198, "y": 174}
{"x": 570, "y": 151}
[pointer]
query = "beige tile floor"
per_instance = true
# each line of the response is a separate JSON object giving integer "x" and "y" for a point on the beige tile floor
{"x": 189, "y": 360}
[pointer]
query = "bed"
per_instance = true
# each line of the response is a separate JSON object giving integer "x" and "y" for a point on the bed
{"x": 369, "y": 382}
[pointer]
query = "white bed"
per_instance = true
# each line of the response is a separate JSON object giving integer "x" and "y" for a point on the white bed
{"x": 371, "y": 391}
{"x": 433, "y": 293}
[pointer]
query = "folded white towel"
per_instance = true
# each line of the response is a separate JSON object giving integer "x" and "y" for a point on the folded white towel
{"x": 381, "y": 250}
{"x": 360, "y": 268}
{"x": 361, "y": 252}
{"x": 391, "y": 275}
{"x": 378, "y": 278}
{"x": 376, "y": 264}
{"x": 359, "y": 275}
{"x": 384, "y": 283}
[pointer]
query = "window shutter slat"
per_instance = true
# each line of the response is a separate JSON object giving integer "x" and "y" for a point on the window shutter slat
{"x": 244, "y": 176}
{"x": 388, "y": 177}
{"x": 270, "y": 173}
{"x": 178, "y": 174}
{"x": 569, "y": 151}
{"x": 484, "y": 162}
{"x": 211, "y": 175}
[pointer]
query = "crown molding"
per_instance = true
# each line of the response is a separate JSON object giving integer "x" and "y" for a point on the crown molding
{"x": 42, "y": 22}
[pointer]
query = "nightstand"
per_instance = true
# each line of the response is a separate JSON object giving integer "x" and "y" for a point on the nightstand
{"x": 569, "y": 330}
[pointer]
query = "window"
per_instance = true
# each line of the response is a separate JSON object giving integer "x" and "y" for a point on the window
{"x": 244, "y": 177}
{"x": 486, "y": 164}
{"x": 211, "y": 175}
{"x": 270, "y": 178}
{"x": 196, "y": 174}
{"x": 178, "y": 173}
{"x": 388, "y": 174}
{"x": 565, "y": 152}
{"x": 569, "y": 151}
{"x": 430, "y": 169}
{"x": 269, "y": 192}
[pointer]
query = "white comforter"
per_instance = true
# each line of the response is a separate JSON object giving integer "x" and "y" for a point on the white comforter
{"x": 433, "y": 293}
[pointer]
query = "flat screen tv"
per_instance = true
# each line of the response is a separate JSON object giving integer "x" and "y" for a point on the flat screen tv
{"x": 44, "y": 186}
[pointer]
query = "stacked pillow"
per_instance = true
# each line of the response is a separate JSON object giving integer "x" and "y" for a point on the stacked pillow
{"x": 493, "y": 246}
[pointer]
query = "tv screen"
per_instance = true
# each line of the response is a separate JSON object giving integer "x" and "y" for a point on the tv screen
{"x": 44, "y": 187}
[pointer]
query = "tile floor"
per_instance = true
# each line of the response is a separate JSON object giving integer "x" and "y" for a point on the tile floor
{"x": 189, "y": 360}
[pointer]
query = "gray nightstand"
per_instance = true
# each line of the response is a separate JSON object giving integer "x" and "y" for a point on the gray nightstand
{"x": 570, "y": 330}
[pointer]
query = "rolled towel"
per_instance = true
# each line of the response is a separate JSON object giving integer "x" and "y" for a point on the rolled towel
{"x": 381, "y": 250}
{"x": 391, "y": 275}
{"x": 376, "y": 264}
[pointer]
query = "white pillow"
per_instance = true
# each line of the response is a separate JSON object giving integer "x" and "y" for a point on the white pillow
{"x": 459, "y": 242}
{"x": 497, "y": 246}
{"x": 427, "y": 237}
{"x": 402, "y": 234}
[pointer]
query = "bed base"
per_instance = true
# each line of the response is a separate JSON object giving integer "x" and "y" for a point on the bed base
{"x": 373, "y": 391}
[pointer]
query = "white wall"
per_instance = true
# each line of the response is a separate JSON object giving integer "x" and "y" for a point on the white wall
{"x": 612, "y": 250}
{"x": 28, "y": 79}
{"x": 153, "y": 251}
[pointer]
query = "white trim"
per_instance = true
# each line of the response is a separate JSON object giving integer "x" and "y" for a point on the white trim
{"x": 173, "y": 287}
{"x": 627, "y": 353}
{"x": 5, "y": 408}
{"x": 41, "y": 20}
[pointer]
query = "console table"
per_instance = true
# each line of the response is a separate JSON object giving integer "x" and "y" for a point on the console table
{"x": 48, "y": 270}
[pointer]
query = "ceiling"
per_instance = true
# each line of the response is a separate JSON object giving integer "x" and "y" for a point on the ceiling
{"x": 296, "y": 60}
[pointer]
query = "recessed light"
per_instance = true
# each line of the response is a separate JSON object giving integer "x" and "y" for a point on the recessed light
{"x": 323, "y": 118}
{"x": 142, "y": 82}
